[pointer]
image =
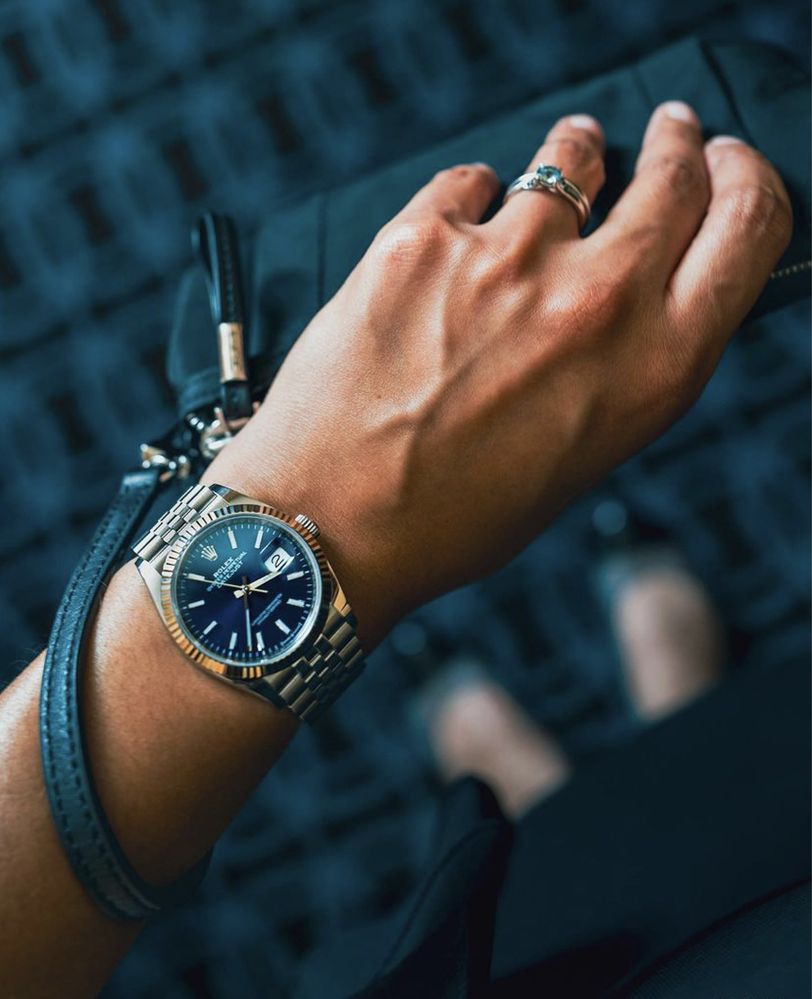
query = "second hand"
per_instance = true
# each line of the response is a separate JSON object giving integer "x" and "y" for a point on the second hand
{"x": 247, "y": 614}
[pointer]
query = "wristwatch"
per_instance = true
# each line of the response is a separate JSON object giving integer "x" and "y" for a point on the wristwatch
{"x": 248, "y": 595}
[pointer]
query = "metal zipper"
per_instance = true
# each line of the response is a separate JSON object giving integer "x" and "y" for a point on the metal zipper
{"x": 791, "y": 269}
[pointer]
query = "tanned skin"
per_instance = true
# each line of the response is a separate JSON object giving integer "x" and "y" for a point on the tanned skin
{"x": 466, "y": 382}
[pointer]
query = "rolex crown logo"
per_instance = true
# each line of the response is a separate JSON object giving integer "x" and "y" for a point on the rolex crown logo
{"x": 209, "y": 552}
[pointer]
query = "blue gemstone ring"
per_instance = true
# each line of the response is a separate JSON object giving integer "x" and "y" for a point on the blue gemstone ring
{"x": 549, "y": 178}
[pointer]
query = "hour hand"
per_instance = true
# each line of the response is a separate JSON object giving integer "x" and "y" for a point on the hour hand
{"x": 231, "y": 586}
{"x": 252, "y": 587}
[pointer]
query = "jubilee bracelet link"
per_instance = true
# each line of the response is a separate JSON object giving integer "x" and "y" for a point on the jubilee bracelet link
{"x": 331, "y": 659}
{"x": 159, "y": 538}
{"x": 311, "y": 685}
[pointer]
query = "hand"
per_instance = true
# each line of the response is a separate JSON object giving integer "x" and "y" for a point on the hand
{"x": 231, "y": 586}
{"x": 255, "y": 586}
{"x": 464, "y": 384}
{"x": 468, "y": 380}
{"x": 244, "y": 593}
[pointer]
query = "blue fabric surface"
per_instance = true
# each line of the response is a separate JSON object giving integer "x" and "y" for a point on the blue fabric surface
{"x": 119, "y": 123}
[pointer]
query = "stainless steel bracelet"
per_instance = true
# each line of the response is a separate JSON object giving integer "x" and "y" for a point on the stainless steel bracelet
{"x": 311, "y": 683}
{"x": 160, "y": 537}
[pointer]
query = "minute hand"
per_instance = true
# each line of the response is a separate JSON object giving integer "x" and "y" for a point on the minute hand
{"x": 257, "y": 582}
{"x": 231, "y": 586}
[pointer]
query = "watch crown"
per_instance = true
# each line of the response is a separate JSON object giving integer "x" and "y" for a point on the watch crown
{"x": 309, "y": 525}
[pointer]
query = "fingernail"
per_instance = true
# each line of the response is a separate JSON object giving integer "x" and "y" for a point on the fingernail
{"x": 680, "y": 111}
{"x": 585, "y": 121}
{"x": 725, "y": 140}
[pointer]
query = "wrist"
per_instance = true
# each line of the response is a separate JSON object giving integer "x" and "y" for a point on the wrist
{"x": 165, "y": 739}
{"x": 357, "y": 557}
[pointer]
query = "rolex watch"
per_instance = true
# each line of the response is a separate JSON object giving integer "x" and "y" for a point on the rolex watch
{"x": 248, "y": 595}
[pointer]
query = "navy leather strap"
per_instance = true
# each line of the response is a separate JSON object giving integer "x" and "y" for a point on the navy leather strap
{"x": 87, "y": 838}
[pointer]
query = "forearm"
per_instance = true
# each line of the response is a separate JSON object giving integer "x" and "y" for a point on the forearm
{"x": 174, "y": 754}
{"x": 480, "y": 384}
{"x": 174, "y": 751}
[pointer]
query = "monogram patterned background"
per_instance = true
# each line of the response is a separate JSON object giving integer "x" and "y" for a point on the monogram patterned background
{"x": 119, "y": 123}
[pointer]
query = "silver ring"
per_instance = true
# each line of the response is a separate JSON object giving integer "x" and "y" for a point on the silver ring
{"x": 547, "y": 177}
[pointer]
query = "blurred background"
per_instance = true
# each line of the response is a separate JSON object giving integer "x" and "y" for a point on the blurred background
{"x": 119, "y": 123}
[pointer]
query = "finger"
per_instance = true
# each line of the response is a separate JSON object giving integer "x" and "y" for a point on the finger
{"x": 660, "y": 211}
{"x": 460, "y": 194}
{"x": 747, "y": 227}
{"x": 575, "y": 146}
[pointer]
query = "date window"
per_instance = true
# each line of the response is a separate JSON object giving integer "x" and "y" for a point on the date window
{"x": 278, "y": 560}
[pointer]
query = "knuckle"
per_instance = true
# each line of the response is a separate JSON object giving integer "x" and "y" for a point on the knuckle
{"x": 465, "y": 173}
{"x": 587, "y": 309}
{"x": 681, "y": 174}
{"x": 495, "y": 274}
{"x": 580, "y": 152}
{"x": 462, "y": 171}
{"x": 401, "y": 242}
{"x": 645, "y": 238}
{"x": 759, "y": 209}
{"x": 459, "y": 172}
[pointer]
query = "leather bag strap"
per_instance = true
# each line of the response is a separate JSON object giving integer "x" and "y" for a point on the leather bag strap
{"x": 88, "y": 840}
{"x": 215, "y": 240}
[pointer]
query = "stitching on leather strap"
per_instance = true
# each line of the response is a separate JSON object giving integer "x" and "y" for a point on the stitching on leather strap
{"x": 124, "y": 507}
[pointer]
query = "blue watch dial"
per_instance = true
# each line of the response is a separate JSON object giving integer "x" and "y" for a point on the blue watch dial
{"x": 247, "y": 589}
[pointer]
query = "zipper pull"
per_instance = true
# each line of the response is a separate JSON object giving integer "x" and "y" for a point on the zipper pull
{"x": 215, "y": 241}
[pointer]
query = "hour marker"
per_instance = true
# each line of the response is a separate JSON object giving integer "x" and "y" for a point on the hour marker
{"x": 258, "y": 542}
{"x": 195, "y": 603}
{"x": 260, "y": 641}
{"x": 233, "y": 641}
{"x": 295, "y": 575}
{"x": 231, "y": 538}
{"x": 208, "y": 627}
{"x": 294, "y": 603}
{"x": 282, "y": 626}
{"x": 194, "y": 575}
